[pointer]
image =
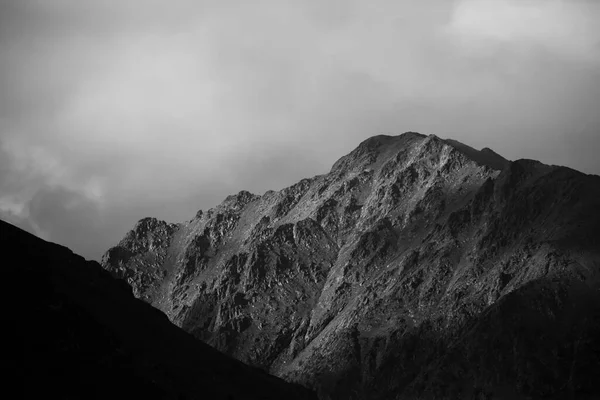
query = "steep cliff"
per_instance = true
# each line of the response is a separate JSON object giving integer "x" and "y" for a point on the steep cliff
{"x": 416, "y": 268}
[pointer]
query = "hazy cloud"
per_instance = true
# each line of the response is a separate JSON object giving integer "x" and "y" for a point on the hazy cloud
{"x": 568, "y": 27}
{"x": 115, "y": 110}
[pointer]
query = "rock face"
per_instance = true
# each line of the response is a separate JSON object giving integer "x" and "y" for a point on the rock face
{"x": 416, "y": 268}
{"x": 83, "y": 335}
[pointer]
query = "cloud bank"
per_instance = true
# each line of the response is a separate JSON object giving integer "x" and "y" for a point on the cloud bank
{"x": 111, "y": 111}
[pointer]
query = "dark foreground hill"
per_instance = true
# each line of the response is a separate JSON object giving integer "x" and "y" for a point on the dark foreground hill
{"x": 83, "y": 335}
{"x": 416, "y": 268}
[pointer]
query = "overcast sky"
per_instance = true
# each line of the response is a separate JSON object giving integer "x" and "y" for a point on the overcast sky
{"x": 113, "y": 110}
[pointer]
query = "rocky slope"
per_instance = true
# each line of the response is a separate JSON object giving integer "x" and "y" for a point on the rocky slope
{"x": 81, "y": 334}
{"x": 416, "y": 268}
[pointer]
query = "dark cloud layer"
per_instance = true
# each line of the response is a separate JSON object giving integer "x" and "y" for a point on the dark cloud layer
{"x": 111, "y": 111}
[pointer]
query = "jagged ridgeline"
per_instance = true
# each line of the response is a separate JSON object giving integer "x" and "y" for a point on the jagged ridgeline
{"x": 416, "y": 268}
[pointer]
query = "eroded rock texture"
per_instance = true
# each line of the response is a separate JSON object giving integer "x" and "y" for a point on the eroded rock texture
{"x": 416, "y": 268}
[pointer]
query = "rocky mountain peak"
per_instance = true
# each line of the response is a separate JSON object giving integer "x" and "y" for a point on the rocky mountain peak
{"x": 238, "y": 201}
{"x": 373, "y": 149}
{"x": 147, "y": 226}
{"x": 485, "y": 156}
{"x": 366, "y": 281}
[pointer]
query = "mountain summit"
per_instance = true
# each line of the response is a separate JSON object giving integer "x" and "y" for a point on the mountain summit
{"x": 416, "y": 268}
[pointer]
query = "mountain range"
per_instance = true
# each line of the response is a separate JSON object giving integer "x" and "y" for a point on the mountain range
{"x": 416, "y": 268}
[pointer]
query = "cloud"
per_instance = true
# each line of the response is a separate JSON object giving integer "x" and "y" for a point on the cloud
{"x": 113, "y": 111}
{"x": 563, "y": 26}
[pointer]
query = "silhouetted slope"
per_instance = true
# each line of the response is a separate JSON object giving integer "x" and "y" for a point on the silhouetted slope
{"x": 363, "y": 282}
{"x": 83, "y": 335}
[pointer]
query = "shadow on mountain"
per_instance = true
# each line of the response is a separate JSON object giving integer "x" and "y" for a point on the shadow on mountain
{"x": 540, "y": 342}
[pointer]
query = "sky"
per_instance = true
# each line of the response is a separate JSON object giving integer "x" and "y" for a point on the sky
{"x": 115, "y": 110}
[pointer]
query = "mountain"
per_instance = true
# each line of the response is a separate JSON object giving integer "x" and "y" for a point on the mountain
{"x": 416, "y": 268}
{"x": 83, "y": 335}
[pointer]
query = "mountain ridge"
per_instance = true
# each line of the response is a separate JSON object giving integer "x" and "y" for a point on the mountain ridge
{"x": 407, "y": 238}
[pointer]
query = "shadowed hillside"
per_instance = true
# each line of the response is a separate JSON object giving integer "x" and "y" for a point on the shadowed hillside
{"x": 83, "y": 335}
